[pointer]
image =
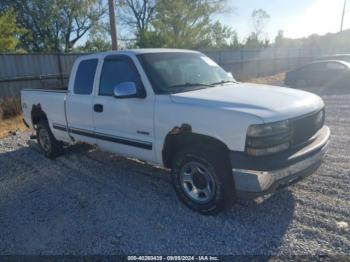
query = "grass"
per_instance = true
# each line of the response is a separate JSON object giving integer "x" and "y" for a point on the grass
{"x": 10, "y": 116}
{"x": 10, "y": 107}
{"x": 269, "y": 80}
{"x": 11, "y": 125}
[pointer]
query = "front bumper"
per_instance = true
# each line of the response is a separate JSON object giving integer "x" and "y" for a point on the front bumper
{"x": 256, "y": 176}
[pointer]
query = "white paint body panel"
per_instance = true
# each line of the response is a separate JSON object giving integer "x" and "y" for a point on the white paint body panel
{"x": 226, "y": 125}
{"x": 222, "y": 112}
{"x": 270, "y": 103}
{"x": 125, "y": 118}
{"x": 52, "y": 103}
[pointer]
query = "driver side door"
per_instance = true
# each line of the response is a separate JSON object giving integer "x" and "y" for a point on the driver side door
{"x": 123, "y": 125}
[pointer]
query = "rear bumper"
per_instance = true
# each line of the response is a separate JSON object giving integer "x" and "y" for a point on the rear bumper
{"x": 256, "y": 176}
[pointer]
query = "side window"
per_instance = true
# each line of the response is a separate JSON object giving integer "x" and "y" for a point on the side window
{"x": 114, "y": 72}
{"x": 84, "y": 78}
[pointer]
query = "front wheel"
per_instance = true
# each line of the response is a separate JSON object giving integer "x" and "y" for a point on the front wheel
{"x": 47, "y": 142}
{"x": 203, "y": 180}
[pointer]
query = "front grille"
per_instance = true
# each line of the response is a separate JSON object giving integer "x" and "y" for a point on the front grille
{"x": 305, "y": 127}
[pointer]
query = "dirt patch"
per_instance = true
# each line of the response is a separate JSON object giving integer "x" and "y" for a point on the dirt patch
{"x": 269, "y": 80}
{"x": 11, "y": 126}
{"x": 10, "y": 116}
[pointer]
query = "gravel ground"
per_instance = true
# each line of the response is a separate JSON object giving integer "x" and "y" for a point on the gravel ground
{"x": 89, "y": 202}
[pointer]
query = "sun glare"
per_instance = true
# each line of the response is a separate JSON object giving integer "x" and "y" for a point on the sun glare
{"x": 321, "y": 17}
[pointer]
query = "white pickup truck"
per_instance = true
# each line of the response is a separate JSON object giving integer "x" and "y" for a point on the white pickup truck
{"x": 180, "y": 110}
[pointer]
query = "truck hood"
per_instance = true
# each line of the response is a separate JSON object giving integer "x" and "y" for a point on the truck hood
{"x": 270, "y": 103}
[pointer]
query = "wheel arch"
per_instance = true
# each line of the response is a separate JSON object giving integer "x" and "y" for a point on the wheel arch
{"x": 181, "y": 136}
{"x": 37, "y": 115}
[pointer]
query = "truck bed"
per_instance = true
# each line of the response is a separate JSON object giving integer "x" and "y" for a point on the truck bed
{"x": 52, "y": 90}
{"x": 51, "y": 101}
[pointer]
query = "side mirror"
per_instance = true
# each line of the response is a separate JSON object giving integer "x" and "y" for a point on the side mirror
{"x": 125, "y": 90}
{"x": 229, "y": 74}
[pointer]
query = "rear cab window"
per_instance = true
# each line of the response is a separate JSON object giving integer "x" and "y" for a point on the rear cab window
{"x": 84, "y": 78}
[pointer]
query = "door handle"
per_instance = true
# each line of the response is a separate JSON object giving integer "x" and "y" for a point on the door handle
{"x": 98, "y": 108}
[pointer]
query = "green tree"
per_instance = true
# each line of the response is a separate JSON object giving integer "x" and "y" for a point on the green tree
{"x": 79, "y": 17}
{"x": 234, "y": 40}
{"x": 55, "y": 25}
{"x": 150, "y": 39}
{"x": 180, "y": 23}
{"x": 94, "y": 44}
{"x": 9, "y": 32}
{"x": 220, "y": 35}
{"x": 253, "y": 41}
{"x": 137, "y": 14}
{"x": 185, "y": 23}
{"x": 258, "y": 37}
{"x": 98, "y": 39}
{"x": 260, "y": 19}
{"x": 279, "y": 39}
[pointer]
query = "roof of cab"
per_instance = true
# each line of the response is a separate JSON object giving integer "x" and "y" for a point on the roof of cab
{"x": 139, "y": 51}
{"x": 159, "y": 50}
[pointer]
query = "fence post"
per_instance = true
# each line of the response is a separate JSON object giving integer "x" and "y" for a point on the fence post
{"x": 60, "y": 69}
{"x": 259, "y": 62}
{"x": 241, "y": 62}
{"x": 274, "y": 61}
{"x": 310, "y": 54}
{"x": 289, "y": 60}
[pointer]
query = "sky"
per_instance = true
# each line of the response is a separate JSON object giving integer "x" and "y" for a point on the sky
{"x": 297, "y": 18}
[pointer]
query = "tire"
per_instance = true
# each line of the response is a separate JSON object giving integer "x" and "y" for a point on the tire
{"x": 47, "y": 142}
{"x": 212, "y": 187}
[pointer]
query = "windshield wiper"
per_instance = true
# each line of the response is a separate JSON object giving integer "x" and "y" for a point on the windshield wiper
{"x": 224, "y": 82}
{"x": 192, "y": 85}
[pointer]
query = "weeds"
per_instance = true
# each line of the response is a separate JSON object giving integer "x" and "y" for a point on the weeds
{"x": 10, "y": 107}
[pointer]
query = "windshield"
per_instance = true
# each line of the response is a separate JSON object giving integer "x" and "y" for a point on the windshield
{"x": 178, "y": 72}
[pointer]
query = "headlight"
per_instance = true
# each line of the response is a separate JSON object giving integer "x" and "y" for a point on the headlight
{"x": 319, "y": 119}
{"x": 266, "y": 139}
{"x": 268, "y": 129}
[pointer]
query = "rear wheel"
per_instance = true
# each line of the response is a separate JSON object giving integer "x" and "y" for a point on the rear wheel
{"x": 47, "y": 142}
{"x": 202, "y": 179}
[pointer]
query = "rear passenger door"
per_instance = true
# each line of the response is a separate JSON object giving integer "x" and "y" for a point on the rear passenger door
{"x": 123, "y": 125}
{"x": 79, "y": 102}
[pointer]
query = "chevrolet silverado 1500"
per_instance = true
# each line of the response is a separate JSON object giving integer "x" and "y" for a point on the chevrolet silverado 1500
{"x": 178, "y": 109}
